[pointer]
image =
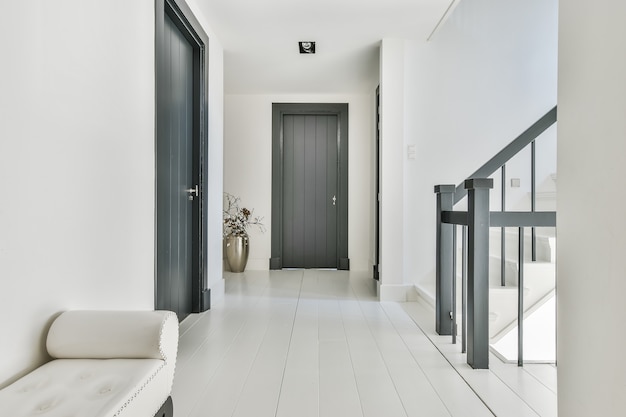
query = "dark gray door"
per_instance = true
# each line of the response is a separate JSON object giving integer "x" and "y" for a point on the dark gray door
{"x": 175, "y": 174}
{"x": 310, "y": 191}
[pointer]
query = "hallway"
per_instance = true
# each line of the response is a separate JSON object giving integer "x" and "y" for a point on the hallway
{"x": 318, "y": 343}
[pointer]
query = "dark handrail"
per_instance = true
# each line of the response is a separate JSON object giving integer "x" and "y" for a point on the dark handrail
{"x": 509, "y": 151}
{"x": 505, "y": 218}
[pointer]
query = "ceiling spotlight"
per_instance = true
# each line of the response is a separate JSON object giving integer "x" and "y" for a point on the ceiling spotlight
{"x": 307, "y": 47}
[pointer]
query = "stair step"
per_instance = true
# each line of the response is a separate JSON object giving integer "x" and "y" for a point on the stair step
{"x": 539, "y": 283}
{"x": 546, "y": 269}
{"x": 545, "y": 243}
{"x": 539, "y": 336}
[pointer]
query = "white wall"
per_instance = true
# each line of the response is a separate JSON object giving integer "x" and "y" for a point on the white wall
{"x": 592, "y": 228}
{"x": 215, "y": 156}
{"x": 486, "y": 76}
{"x": 248, "y": 163}
{"x": 76, "y": 166}
{"x": 393, "y": 236}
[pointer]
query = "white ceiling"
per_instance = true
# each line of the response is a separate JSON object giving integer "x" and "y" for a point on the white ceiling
{"x": 260, "y": 40}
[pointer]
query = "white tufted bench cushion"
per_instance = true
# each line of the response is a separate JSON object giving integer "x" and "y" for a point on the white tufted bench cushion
{"x": 109, "y": 364}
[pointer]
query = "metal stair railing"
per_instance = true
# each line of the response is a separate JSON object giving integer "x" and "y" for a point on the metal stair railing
{"x": 476, "y": 222}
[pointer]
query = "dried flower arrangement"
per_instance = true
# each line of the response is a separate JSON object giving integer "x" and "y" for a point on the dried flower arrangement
{"x": 237, "y": 219}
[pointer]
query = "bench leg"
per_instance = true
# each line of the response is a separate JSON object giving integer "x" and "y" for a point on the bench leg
{"x": 167, "y": 409}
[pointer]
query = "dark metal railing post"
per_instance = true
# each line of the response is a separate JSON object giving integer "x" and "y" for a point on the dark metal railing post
{"x": 453, "y": 313}
{"x": 503, "y": 231}
{"x": 444, "y": 262}
{"x": 478, "y": 272}
{"x": 520, "y": 299}
{"x": 464, "y": 292}
{"x": 533, "y": 198}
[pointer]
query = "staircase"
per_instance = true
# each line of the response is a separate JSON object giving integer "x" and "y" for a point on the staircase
{"x": 473, "y": 299}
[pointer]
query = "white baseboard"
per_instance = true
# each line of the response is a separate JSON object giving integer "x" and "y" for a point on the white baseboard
{"x": 217, "y": 291}
{"x": 258, "y": 264}
{"x": 426, "y": 295}
{"x": 398, "y": 293}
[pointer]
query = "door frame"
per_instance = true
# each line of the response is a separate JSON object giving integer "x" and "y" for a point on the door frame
{"x": 279, "y": 110}
{"x": 377, "y": 210}
{"x": 184, "y": 19}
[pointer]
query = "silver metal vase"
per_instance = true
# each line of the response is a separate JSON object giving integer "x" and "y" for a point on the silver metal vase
{"x": 237, "y": 249}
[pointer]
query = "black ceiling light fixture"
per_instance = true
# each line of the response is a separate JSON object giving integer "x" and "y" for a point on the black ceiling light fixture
{"x": 307, "y": 47}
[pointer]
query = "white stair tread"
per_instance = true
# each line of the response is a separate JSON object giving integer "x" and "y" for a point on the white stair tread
{"x": 539, "y": 337}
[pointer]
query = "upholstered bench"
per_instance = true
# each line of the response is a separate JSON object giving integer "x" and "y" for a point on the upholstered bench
{"x": 105, "y": 363}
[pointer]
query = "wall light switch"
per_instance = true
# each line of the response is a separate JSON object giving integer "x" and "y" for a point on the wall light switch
{"x": 515, "y": 182}
{"x": 411, "y": 152}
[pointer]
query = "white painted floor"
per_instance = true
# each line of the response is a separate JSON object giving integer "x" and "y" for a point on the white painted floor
{"x": 318, "y": 343}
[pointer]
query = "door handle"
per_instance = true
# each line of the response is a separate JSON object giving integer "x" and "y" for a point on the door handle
{"x": 334, "y": 200}
{"x": 192, "y": 192}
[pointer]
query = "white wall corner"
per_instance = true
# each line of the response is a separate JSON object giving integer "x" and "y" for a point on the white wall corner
{"x": 423, "y": 294}
{"x": 412, "y": 294}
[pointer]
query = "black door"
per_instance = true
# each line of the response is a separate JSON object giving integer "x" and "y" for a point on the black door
{"x": 310, "y": 191}
{"x": 310, "y": 186}
{"x": 177, "y": 178}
